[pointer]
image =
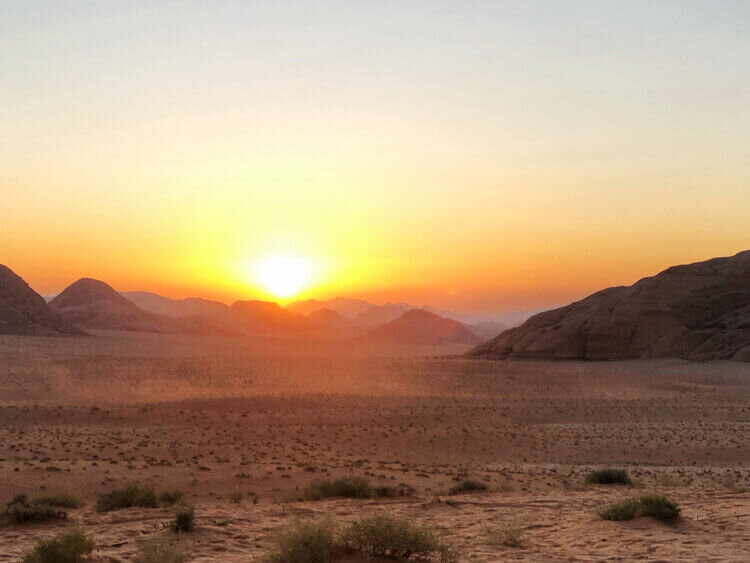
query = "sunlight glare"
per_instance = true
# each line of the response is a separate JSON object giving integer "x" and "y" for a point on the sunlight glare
{"x": 283, "y": 276}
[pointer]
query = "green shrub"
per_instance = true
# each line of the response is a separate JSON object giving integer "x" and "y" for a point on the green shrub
{"x": 71, "y": 546}
{"x": 507, "y": 535}
{"x": 656, "y": 506}
{"x": 619, "y": 511}
{"x": 609, "y": 477}
{"x": 345, "y": 487}
{"x": 61, "y": 499}
{"x": 169, "y": 498}
{"x": 659, "y": 507}
{"x": 467, "y": 486}
{"x": 126, "y": 498}
{"x": 384, "y": 535}
{"x": 305, "y": 541}
{"x": 20, "y": 510}
{"x": 160, "y": 550}
{"x": 184, "y": 520}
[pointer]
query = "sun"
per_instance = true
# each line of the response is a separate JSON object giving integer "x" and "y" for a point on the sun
{"x": 283, "y": 276}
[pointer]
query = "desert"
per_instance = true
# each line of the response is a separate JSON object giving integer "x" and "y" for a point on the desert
{"x": 221, "y": 419}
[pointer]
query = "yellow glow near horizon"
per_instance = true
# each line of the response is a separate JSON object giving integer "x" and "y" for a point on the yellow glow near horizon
{"x": 283, "y": 276}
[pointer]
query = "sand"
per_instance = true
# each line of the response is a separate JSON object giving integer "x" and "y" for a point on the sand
{"x": 212, "y": 417}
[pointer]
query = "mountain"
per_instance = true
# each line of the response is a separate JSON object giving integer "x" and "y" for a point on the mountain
{"x": 93, "y": 304}
{"x": 381, "y": 314}
{"x": 327, "y": 318}
{"x": 345, "y": 307}
{"x": 178, "y": 307}
{"x": 24, "y": 311}
{"x": 417, "y": 326}
{"x": 488, "y": 329}
{"x": 697, "y": 311}
{"x": 262, "y": 317}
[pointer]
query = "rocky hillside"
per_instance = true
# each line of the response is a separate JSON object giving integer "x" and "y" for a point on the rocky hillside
{"x": 697, "y": 311}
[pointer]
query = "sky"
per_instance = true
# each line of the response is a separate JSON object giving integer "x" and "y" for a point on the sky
{"x": 478, "y": 156}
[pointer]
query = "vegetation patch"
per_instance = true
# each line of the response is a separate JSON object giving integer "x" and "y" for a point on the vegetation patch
{"x": 384, "y": 535}
{"x": 305, "y": 541}
{"x": 160, "y": 550}
{"x": 655, "y": 506}
{"x": 352, "y": 487}
{"x": 184, "y": 520}
{"x": 20, "y": 510}
{"x": 169, "y": 498}
{"x": 468, "y": 486}
{"x": 609, "y": 477}
{"x": 71, "y": 546}
{"x": 133, "y": 495}
{"x": 507, "y": 535}
{"x": 61, "y": 499}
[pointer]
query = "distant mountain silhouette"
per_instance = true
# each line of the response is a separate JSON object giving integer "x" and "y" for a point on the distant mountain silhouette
{"x": 328, "y": 318}
{"x": 487, "y": 330}
{"x": 177, "y": 308}
{"x": 24, "y": 311}
{"x": 381, "y": 314}
{"x": 345, "y": 307}
{"x": 93, "y": 304}
{"x": 263, "y": 317}
{"x": 698, "y": 311}
{"x": 417, "y": 326}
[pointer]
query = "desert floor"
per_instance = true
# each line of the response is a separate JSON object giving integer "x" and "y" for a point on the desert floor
{"x": 213, "y": 417}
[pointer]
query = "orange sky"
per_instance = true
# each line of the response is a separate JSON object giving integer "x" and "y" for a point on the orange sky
{"x": 492, "y": 157}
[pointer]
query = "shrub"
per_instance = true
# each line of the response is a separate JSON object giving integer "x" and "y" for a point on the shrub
{"x": 20, "y": 510}
{"x": 467, "y": 486}
{"x": 400, "y": 490}
{"x": 126, "y": 498}
{"x": 184, "y": 520}
{"x": 619, "y": 511}
{"x": 61, "y": 499}
{"x": 236, "y": 497}
{"x": 656, "y": 506}
{"x": 659, "y": 507}
{"x": 160, "y": 550}
{"x": 346, "y": 487}
{"x": 384, "y": 535}
{"x": 609, "y": 477}
{"x": 71, "y": 546}
{"x": 507, "y": 535}
{"x": 305, "y": 541}
{"x": 168, "y": 498}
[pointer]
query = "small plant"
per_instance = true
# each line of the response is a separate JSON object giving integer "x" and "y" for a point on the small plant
{"x": 467, "y": 486}
{"x": 160, "y": 550}
{"x": 659, "y": 507}
{"x": 126, "y": 498}
{"x": 305, "y": 541}
{"x": 71, "y": 546}
{"x": 236, "y": 497}
{"x": 61, "y": 499}
{"x": 184, "y": 520}
{"x": 20, "y": 511}
{"x": 656, "y": 506}
{"x": 345, "y": 487}
{"x": 609, "y": 477}
{"x": 506, "y": 535}
{"x": 384, "y": 535}
{"x": 619, "y": 511}
{"x": 169, "y": 498}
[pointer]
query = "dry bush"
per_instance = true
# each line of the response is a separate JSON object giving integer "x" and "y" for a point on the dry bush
{"x": 71, "y": 546}
{"x": 468, "y": 486}
{"x": 305, "y": 541}
{"x": 20, "y": 510}
{"x": 506, "y": 535}
{"x": 130, "y": 496}
{"x": 184, "y": 520}
{"x": 656, "y": 506}
{"x": 609, "y": 477}
{"x": 61, "y": 499}
{"x": 160, "y": 550}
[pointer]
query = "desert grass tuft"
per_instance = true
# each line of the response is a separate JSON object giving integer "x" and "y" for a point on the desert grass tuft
{"x": 468, "y": 486}
{"x": 305, "y": 541}
{"x": 656, "y": 506}
{"x": 609, "y": 477}
{"x": 71, "y": 546}
{"x": 506, "y": 535}
{"x": 184, "y": 520}
{"x": 130, "y": 496}
{"x": 160, "y": 550}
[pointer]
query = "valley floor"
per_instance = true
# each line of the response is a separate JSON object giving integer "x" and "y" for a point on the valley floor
{"x": 217, "y": 418}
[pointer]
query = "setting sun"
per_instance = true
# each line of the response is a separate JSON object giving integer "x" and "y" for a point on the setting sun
{"x": 283, "y": 276}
